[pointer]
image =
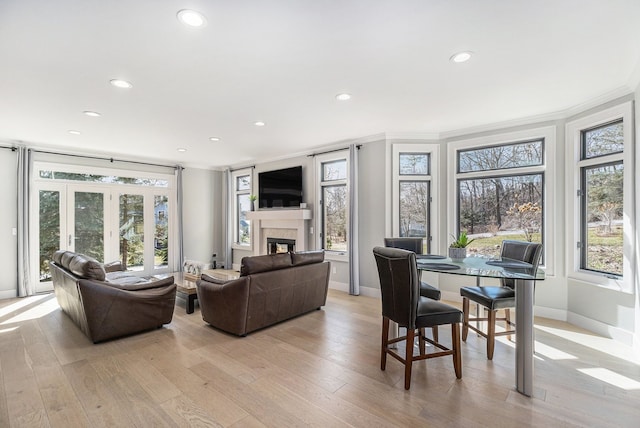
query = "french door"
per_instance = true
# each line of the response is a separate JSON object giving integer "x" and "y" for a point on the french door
{"x": 107, "y": 223}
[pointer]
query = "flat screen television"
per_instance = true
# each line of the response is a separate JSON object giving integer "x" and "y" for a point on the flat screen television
{"x": 281, "y": 188}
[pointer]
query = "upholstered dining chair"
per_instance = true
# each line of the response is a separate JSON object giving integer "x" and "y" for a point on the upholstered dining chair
{"x": 415, "y": 245}
{"x": 494, "y": 298}
{"x": 403, "y": 304}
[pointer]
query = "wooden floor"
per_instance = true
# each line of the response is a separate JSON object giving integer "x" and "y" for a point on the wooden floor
{"x": 321, "y": 369}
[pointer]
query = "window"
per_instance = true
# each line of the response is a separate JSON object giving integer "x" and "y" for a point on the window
{"x": 414, "y": 192}
{"x": 333, "y": 201}
{"x": 242, "y": 205}
{"x": 500, "y": 188}
{"x": 600, "y": 145}
{"x": 105, "y": 213}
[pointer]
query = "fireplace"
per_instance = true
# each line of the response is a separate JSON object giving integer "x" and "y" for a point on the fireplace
{"x": 280, "y": 245}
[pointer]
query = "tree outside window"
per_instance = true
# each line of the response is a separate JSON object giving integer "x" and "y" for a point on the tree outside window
{"x": 499, "y": 201}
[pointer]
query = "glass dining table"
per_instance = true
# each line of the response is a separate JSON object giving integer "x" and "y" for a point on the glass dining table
{"x": 524, "y": 276}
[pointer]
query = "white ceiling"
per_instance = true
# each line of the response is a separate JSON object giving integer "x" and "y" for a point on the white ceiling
{"x": 283, "y": 62}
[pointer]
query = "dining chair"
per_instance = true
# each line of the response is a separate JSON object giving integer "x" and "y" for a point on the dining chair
{"x": 494, "y": 298}
{"x": 415, "y": 245}
{"x": 403, "y": 304}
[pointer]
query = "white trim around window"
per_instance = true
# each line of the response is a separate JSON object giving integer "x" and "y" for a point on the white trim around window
{"x": 433, "y": 150}
{"x": 320, "y": 185}
{"x": 575, "y": 164}
{"x": 548, "y": 135}
{"x": 235, "y": 193}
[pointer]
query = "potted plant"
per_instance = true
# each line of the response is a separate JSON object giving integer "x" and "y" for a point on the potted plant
{"x": 458, "y": 248}
{"x": 252, "y": 199}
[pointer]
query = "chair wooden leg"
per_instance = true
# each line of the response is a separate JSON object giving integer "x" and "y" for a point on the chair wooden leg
{"x": 491, "y": 334}
{"x": 408, "y": 360}
{"x": 465, "y": 321}
{"x": 434, "y": 331}
{"x": 457, "y": 355}
{"x": 421, "y": 341}
{"x": 385, "y": 342}
{"x": 507, "y": 323}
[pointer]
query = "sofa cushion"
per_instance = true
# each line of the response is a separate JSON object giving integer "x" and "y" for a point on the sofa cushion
{"x": 307, "y": 257}
{"x": 86, "y": 267}
{"x": 134, "y": 283}
{"x": 256, "y": 264}
{"x": 80, "y": 265}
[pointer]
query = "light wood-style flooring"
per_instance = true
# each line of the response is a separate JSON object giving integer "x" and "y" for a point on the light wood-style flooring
{"x": 321, "y": 369}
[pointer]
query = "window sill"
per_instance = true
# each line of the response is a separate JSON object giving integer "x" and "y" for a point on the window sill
{"x": 600, "y": 280}
{"x": 241, "y": 247}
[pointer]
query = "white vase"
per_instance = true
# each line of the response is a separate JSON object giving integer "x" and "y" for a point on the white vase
{"x": 457, "y": 254}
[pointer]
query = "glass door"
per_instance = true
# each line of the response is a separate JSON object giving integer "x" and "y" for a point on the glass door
{"x": 51, "y": 232}
{"x": 87, "y": 233}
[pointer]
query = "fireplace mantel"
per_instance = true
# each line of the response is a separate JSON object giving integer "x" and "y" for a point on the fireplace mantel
{"x": 298, "y": 220}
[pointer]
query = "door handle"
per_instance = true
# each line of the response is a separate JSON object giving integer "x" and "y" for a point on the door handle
{"x": 70, "y": 238}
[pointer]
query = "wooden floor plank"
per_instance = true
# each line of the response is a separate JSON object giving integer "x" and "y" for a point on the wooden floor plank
{"x": 319, "y": 369}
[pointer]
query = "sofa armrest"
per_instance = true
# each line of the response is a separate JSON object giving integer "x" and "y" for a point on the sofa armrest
{"x": 224, "y": 306}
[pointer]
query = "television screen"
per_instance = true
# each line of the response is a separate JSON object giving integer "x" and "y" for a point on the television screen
{"x": 281, "y": 188}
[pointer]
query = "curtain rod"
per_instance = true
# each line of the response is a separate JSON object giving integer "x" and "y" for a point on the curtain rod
{"x": 331, "y": 151}
{"x": 244, "y": 167}
{"x": 112, "y": 160}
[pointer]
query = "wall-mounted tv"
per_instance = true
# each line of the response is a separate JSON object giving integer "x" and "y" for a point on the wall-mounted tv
{"x": 281, "y": 188}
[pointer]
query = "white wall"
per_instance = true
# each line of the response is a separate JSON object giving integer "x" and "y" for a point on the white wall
{"x": 8, "y": 221}
{"x": 202, "y": 214}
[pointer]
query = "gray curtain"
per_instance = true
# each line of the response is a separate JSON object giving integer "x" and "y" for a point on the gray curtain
{"x": 26, "y": 287}
{"x": 352, "y": 233}
{"x": 179, "y": 259}
{"x": 228, "y": 220}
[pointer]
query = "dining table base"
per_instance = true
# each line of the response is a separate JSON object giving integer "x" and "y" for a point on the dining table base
{"x": 524, "y": 336}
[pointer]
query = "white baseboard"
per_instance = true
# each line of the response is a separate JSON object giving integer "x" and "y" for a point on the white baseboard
{"x": 8, "y": 294}
{"x": 623, "y": 336}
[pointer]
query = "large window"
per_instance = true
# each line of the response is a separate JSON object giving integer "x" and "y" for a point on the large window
{"x": 500, "y": 189}
{"x": 333, "y": 201}
{"x": 242, "y": 205}
{"x": 600, "y": 145}
{"x": 124, "y": 216}
{"x": 413, "y": 191}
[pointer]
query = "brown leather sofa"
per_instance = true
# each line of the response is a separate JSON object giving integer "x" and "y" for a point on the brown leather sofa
{"x": 109, "y": 305}
{"x": 271, "y": 288}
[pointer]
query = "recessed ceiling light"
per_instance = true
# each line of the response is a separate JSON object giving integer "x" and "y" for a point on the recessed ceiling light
{"x": 214, "y": 138}
{"x": 118, "y": 83}
{"x": 92, "y": 113}
{"x": 258, "y": 123}
{"x": 191, "y": 18}
{"x": 343, "y": 97}
{"x": 181, "y": 150}
{"x": 461, "y": 56}
{"x": 74, "y": 132}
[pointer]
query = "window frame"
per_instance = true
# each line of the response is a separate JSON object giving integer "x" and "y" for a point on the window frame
{"x": 547, "y": 169}
{"x": 433, "y": 151}
{"x": 341, "y": 155}
{"x": 236, "y": 208}
{"x": 574, "y": 155}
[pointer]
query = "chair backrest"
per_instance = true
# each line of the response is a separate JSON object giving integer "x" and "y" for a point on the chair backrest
{"x": 409, "y": 244}
{"x": 528, "y": 252}
{"x": 399, "y": 284}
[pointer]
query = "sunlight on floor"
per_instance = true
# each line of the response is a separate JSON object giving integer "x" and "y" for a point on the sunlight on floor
{"x": 8, "y": 330}
{"x": 595, "y": 342}
{"x": 42, "y": 305}
{"x": 21, "y": 303}
{"x": 612, "y": 378}
{"x": 552, "y": 353}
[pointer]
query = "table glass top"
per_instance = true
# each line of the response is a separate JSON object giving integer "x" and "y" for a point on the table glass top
{"x": 482, "y": 266}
